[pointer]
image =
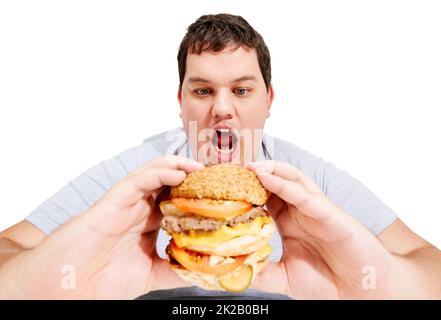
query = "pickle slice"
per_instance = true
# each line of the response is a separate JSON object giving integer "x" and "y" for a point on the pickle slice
{"x": 238, "y": 280}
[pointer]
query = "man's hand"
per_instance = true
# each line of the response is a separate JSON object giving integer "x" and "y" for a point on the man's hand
{"x": 327, "y": 254}
{"x": 109, "y": 251}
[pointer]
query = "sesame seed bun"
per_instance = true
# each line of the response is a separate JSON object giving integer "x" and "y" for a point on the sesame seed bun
{"x": 222, "y": 182}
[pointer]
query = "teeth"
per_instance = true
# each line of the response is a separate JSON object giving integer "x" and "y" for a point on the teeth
{"x": 224, "y": 130}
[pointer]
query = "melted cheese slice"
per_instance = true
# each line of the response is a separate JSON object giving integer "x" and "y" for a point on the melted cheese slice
{"x": 225, "y": 233}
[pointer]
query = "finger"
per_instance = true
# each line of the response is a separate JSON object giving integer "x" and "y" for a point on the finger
{"x": 284, "y": 219}
{"x": 170, "y": 162}
{"x": 148, "y": 242}
{"x": 314, "y": 213}
{"x": 275, "y": 205}
{"x": 289, "y": 226}
{"x": 152, "y": 179}
{"x": 271, "y": 279}
{"x": 285, "y": 171}
{"x": 153, "y": 220}
{"x": 294, "y": 193}
{"x": 130, "y": 190}
{"x": 163, "y": 277}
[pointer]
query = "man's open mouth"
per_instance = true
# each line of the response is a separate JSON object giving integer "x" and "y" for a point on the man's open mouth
{"x": 224, "y": 141}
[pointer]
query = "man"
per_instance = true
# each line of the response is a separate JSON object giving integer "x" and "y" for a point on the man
{"x": 96, "y": 237}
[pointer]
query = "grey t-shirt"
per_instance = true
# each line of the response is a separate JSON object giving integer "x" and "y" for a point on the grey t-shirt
{"x": 80, "y": 193}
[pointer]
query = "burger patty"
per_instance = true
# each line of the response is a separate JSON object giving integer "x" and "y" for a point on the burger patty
{"x": 179, "y": 224}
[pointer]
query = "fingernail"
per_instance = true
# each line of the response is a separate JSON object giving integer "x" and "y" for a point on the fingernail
{"x": 194, "y": 163}
{"x": 199, "y": 163}
{"x": 263, "y": 168}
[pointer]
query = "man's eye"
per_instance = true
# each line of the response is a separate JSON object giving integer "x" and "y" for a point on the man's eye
{"x": 202, "y": 92}
{"x": 242, "y": 91}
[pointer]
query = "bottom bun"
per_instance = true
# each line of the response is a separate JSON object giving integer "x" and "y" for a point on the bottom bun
{"x": 210, "y": 282}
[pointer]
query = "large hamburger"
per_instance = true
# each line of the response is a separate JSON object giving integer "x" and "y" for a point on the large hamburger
{"x": 219, "y": 229}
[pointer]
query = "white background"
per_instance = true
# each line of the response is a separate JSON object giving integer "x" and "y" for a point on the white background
{"x": 357, "y": 83}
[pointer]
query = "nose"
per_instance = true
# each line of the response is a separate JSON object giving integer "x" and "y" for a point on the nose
{"x": 223, "y": 106}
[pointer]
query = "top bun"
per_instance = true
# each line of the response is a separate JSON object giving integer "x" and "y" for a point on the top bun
{"x": 222, "y": 182}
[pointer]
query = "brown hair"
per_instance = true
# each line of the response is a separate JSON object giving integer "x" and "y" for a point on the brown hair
{"x": 214, "y": 33}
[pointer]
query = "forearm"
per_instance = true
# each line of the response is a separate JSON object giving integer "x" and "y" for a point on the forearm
{"x": 419, "y": 274}
{"x": 8, "y": 249}
{"x": 11, "y": 256}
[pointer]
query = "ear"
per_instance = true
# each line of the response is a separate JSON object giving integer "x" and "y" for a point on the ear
{"x": 180, "y": 101}
{"x": 269, "y": 99}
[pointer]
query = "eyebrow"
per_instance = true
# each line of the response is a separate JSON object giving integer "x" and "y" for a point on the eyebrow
{"x": 243, "y": 78}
